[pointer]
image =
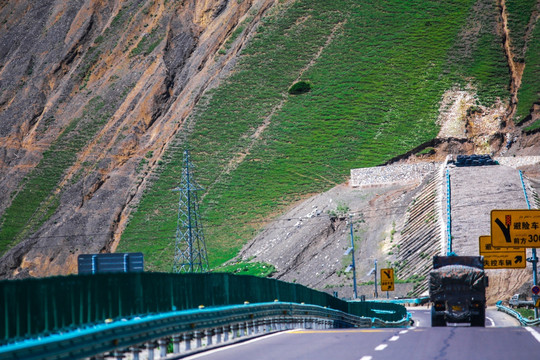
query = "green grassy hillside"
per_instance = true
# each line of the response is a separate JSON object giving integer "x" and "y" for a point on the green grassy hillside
{"x": 377, "y": 74}
{"x": 529, "y": 92}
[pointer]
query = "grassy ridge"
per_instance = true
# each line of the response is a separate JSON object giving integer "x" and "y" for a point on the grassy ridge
{"x": 526, "y": 47}
{"x": 519, "y": 15}
{"x": 529, "y": 92}
{"x": 375, "y": 94}
{"x": 477, "y": 56}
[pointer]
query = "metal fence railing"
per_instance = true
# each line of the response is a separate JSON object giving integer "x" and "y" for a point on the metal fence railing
{"x": 521, "y": 319}
{"x": 42, "y": 306}
{"x": 184, "y": 332}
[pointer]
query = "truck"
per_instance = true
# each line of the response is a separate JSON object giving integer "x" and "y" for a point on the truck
{"x": 457, "y": 290}
{"x": 518, "y": 300}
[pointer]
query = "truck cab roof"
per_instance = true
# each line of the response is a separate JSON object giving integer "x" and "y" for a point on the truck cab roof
{"x": 472, "y": 261}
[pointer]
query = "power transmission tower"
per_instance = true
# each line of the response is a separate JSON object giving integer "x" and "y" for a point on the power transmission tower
{"x": 190, "y": 248}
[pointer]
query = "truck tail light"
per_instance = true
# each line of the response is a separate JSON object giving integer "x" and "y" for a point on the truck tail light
{"x": 439, "y": 306}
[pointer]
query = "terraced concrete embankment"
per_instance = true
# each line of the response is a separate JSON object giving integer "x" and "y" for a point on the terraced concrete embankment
{"x": 422, "y": 234}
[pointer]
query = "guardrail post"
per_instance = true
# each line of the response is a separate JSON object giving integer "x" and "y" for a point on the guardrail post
{"x": 218, "y": 332}
{"x": 135, "y": 350}
{"x": 226, "y": 331}
{"x": 176, "y": 339}
{"x": 198, "y": 335}
{"x": 118, "y": 354}
{"x": 234, "y": 329}
{"x": 242, "y": 327}
{"x": 273, "y": 324}
{"x": 187, "y": 341}
{"x": 162, "y": 347}
{"x": 209, "y": 333}
{"x": 249, "y": 328}
{"x": 150, "y": 346}
{"x": 255, "y": 326}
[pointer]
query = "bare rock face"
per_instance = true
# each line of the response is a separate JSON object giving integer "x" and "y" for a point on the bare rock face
{"x": 91, "y": 94}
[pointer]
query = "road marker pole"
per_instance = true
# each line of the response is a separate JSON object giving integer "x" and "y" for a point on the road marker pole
{"x": 534, "y": 258}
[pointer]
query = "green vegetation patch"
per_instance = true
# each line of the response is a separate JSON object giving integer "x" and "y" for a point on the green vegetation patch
{"x": 376, "y": 90}
{"x": 519, "y": 16}
{"x": 300, "y": 87}
{"x": 533, "y": 127}
{"x": 148, "y": 42}
{"x": 478, "y": 57}
{"x": 529, "y": 92}
{"x": 248, "y": 268}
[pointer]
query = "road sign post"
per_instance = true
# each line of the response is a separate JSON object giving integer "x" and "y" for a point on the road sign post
{"x": 387, "y": 279}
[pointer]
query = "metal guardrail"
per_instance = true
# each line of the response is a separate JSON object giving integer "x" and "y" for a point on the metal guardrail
{"x": 521, "y": 319}
{"x": 192, "y": 328}
{"x": 407, "y": 301}
{"x": 40, "y": 307}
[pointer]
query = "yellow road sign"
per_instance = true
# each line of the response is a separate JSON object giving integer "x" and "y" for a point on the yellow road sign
{"x": 501, "y": 257}
{"x": 516, "y": 228}
{"x": 387, "y": 279}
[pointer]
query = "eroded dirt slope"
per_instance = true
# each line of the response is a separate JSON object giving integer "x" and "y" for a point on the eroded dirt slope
{"x": 91, "y": 94}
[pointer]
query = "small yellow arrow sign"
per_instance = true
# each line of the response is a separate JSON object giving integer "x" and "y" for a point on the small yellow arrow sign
{"x": 387, "y": 279}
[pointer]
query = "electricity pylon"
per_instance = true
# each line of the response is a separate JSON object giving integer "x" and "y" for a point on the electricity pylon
{"x": 190, "y": 249}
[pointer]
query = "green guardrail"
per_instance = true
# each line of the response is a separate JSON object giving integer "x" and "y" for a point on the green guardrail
{"x": 43, "y": 306}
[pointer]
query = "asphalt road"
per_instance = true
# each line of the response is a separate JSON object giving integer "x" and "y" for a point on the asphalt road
{"x": 500, "y": 339}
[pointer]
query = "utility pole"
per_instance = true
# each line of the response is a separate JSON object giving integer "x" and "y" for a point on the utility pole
{"x": 376, "y": 294}
{"x": 190, "y": 249}
{"x": 353, "y": 263}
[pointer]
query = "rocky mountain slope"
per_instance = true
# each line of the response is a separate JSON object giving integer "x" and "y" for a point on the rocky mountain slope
{"x": 98, "y": 97}
{"x": 91, "y": 92}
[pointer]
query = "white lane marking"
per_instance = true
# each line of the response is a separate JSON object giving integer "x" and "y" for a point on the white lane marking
{"x": 404, "y": 331}
{"x": 533, "y": 333}
{"x": 227, "y": 347}
{"x": 394, "y": 338}
{"x": 366, "y": 357}
{"x": 381, "y": 347}
{"x": 491, "y": 321}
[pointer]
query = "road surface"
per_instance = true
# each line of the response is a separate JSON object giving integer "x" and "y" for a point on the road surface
{"x": 500, "y": 339}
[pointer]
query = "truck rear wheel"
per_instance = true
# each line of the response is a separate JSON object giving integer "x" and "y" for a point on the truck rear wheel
{"x": 480, "y": 319}
{"x": 437, "y": 320}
